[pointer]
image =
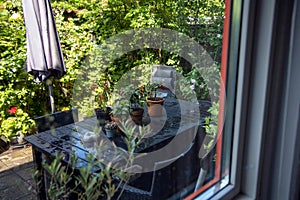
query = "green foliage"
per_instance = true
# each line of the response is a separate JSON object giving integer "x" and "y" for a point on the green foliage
{"x": 203, "y": 21}
{"x": 60, "y": 177}
{"x": 120, "y": 108}
{"x": 81, "y": 25}
{"x": 90, "y": 184}
{"x": 85, "y": 182}
{"x": 134, "y": 136}
{"x": 211, "y": 124}
{"x": 200, "y": 83}
{"x": 120, "y": 101}
{"x": 18, "y": 124}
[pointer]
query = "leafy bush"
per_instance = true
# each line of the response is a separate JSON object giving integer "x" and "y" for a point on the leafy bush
{"x": 19, "y": 124}
{"x": 96, "y": 179}
{"x": 81, "y": 25}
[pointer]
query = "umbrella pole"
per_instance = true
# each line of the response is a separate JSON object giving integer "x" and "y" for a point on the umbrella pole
{"x": 49, "y": 83}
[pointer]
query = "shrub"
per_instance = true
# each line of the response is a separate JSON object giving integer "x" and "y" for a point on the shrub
{"x": 81, "y": 25}
{"x": 18, "y": 124}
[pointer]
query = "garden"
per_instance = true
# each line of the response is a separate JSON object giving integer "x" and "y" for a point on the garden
{"x": 81, "y": 25}
{"x": 85, "y": 25}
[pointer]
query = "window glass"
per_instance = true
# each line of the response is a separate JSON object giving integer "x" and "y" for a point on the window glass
{"x": 150, "y": 96}
{"x": 160, "y": 67}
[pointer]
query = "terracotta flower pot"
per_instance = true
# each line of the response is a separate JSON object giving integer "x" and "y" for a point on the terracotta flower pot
{"x": 155, "y": 106}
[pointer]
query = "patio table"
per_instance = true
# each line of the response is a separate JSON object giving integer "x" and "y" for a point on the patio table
{"x": 173, "y": 128}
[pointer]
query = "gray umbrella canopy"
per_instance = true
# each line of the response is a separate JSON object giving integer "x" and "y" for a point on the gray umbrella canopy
{"x": 44, "y": 55}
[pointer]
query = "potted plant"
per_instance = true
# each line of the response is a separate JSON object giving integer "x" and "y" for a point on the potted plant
{"x": 155, "y": 104}
{"x": 136, "y": 109}
{"x": 127, "y": 100}
{"x": 120, "y": 109}
{"x": 101, "y": 92}
{"x": 102, "y": 115}
{"x": 110, "y": 129}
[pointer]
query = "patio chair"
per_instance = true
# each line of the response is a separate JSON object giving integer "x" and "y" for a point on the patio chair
{"x": 205, "y": 165}
{"x": 56, "y": 119}
{"x": 162, "y": 182}
{"x": 165, "y": 75}
{"x": 44, "y": 123}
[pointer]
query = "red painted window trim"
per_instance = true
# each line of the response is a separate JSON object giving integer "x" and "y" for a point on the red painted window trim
{"x": 225, "y": 48}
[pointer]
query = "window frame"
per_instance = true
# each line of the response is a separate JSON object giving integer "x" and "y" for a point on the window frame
{"x": 260, "y": 48}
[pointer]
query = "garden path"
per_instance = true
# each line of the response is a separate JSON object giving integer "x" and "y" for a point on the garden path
{"x": 16, "y": 170}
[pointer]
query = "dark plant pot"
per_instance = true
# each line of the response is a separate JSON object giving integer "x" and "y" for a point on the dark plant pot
{"x": 110, "y": 133}
{"x": 137, "y": 115}
{"x": 102, "y": 115}
{"x": 155, "y": 106}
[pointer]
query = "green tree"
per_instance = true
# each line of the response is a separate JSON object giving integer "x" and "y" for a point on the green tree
{"x": 83, "y": 24}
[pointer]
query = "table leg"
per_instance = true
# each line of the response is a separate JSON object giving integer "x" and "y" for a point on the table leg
{"x": 39, "y": 178}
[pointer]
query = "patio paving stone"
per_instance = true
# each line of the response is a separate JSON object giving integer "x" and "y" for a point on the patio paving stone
{"x": 3, "y": 168}
{"x": 12, "y": 187}
{"x": 16, "y": 169}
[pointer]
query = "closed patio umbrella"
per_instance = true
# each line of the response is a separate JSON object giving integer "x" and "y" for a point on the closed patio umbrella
{"x": 44, "y": 55}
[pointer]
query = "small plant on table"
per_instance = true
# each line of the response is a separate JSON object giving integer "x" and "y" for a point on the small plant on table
{"x": 110, "y": 129}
